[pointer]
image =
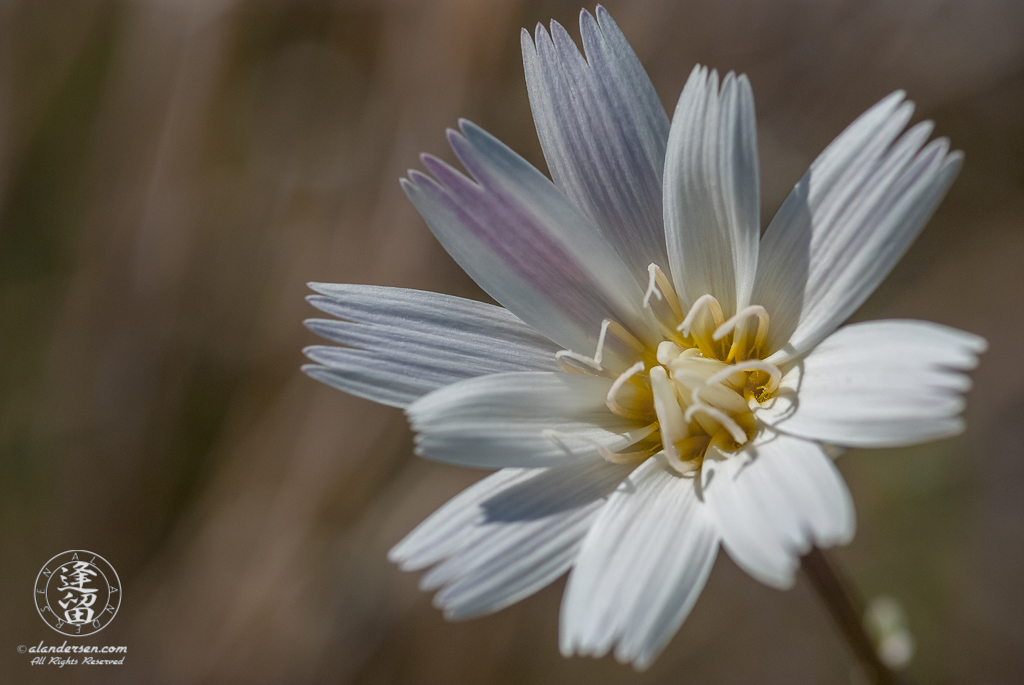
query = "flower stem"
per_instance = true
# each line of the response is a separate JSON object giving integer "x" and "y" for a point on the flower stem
{"x": 847, "y": 609}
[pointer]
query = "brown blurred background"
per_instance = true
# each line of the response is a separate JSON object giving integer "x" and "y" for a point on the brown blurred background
{"x": 172, "y": 172}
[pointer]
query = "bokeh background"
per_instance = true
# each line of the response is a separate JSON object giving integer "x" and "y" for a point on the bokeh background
{"x": 172, "y": 172}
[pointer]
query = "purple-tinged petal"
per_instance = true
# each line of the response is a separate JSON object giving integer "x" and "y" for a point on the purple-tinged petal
{"x": 603, "y": 132}
{"x": 402, "y": 344}
{"x": 525, "y": 244}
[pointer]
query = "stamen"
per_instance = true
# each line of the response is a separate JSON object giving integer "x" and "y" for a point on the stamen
{"x": 562, "y": 357}
{"x": 735, "y": 430}
{"x": 667, "y": 351}
{"x": 671, "y": 422}
{"x": 595, "y": 362}
{"x": 774, "y": 375}
{"x": 694, "y": 372}
{"x": 742, "y": 315}
{"x": 613, "y": 392}
{"x": 602, "y": 339}
{"x": 703, "y": 301}
{"x": 689, "y": 453}
{"x": 623, "y": 335}
{"x": 658, "y": 284}
{"x": 719, "y": 396}
{"x": 603, "y": 450}
{"x": 737, "y": 325}
{"x": 627, "y": 457}
{"x": 652, "y": 286}
{"x": 599, "y": 353}
{"x": 721, "y": 441}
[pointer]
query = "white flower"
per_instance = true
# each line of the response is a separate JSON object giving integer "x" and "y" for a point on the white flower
{"x": 662, "y": 377}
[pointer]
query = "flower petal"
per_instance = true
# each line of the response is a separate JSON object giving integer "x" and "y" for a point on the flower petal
{"x": 508, "y": 536}
{"x": 773, "y": 499}
{"x": 712, "y": 196}
{"x": 411, "y": 342}
{"x": 603, "y": 132}
{"x": 847, "y": 222}
{"x": 641, "y": 568}
{"x": 525, "y": 244}
{"x": 520, "y": 420}
{"x": 878, "y": 384}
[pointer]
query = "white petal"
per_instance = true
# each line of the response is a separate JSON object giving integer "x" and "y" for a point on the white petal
{"x": 412, "y": 342}
{"x": 772, "y": 500}
{"x": 641, "y": 568}
{"x": 847, "y": 222}
{"x": 712, "y": 205}
{"x": 508, "y": 536}
{"x": 876, "y": 384}
{"x": 603, "y": 132}
{"x": 524, "y": 243}
{"x": 520, "y": 420}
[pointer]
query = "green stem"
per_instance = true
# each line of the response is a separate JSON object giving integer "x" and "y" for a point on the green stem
{"x": 847, "y": 609}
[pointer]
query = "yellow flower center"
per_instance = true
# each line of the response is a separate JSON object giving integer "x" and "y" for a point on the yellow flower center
{"x": 698, "y": 387}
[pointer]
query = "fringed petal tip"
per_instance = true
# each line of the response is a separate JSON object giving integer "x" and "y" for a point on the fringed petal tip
{"x": 775, "y": 499}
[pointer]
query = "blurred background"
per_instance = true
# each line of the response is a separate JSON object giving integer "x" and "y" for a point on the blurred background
{"x": 172, "y": 173}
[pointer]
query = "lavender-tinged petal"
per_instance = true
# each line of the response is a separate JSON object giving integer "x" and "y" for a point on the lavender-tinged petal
{"x": 603, "y": 132}
{"x": 403, "y": 343}
{"x": 525, "y": 243}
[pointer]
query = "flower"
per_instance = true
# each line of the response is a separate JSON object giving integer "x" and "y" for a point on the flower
{"x": 661, "y": 378}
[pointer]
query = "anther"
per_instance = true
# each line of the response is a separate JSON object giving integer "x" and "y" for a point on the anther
{"x": 671, "y": 422}
{"x": 667, "y": 351}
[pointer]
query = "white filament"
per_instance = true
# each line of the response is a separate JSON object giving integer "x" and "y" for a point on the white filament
{"x": 610, "y": 400}
{"x": 774, "y": 375}
{"x": 603, "y": 450}
{"x": 596, "y": 362}
{"x": 742, "y": 315}
{"x": 703, "y": 301}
